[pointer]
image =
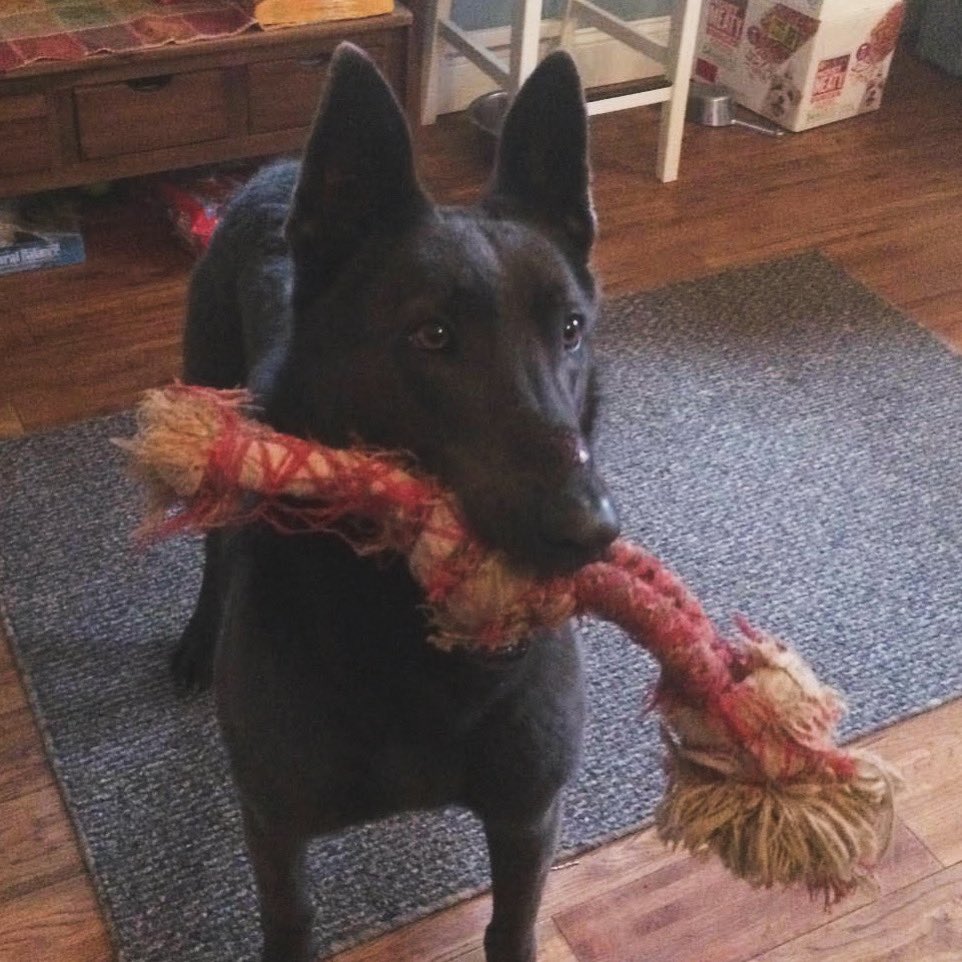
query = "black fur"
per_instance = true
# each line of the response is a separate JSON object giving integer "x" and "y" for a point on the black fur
{"x": 356, "y": 309}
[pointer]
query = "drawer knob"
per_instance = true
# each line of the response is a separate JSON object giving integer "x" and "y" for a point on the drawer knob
{"x": 150, "y": 84}
{"x": 317, "y": 62}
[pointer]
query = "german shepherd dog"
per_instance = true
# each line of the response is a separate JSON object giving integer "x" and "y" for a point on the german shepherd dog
{"x": 359, "y": 311}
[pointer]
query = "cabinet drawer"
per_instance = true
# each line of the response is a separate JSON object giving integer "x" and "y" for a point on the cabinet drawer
{"x": 149, "y": 113}
{"x": 25, "y": 138}
{"x": 283, "y": 94}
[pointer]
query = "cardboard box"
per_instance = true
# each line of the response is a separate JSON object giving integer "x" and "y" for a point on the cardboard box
{"x": 39, "y": 231}
{"x": 801, "y": 63}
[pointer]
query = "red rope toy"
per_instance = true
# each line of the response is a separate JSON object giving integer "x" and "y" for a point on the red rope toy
{"x": 754, "y": 774}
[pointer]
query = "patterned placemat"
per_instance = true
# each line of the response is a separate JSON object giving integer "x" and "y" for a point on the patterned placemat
{"x": 32, "y": 30}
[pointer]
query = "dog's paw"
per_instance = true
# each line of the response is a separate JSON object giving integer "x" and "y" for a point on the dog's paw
{"x": 511, "y": 947}
{"x": 289, "y": 945}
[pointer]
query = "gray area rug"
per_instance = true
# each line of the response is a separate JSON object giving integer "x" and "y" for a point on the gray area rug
{"x": 789, "y": 443}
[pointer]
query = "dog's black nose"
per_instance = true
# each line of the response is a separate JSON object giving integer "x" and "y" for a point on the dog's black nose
{"x": 586, "y": 521}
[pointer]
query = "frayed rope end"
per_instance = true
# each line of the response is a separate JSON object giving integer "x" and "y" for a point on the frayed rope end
{"x": 826, "y": 834}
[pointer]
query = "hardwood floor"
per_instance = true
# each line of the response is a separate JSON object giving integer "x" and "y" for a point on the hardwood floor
{"x": 882, "y": 195}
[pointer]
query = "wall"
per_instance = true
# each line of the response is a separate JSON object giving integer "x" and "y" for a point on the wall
{"x": 940, "y": 34}
{"x": 477, "y": 14}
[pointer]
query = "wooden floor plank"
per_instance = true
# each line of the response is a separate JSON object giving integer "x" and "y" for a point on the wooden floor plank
{"x": 37, "y": 845}
{"x": 56, "y": 923}
{"x": 23, "y": 764}
{"x": 695, "y": 910}
{"x": 458, "y": 930}
{"x": 928, "y": 751}
{"x": 14, "y": 333}
{"x": 10, "y": 424}
{"x": 552, "y": 947}
{"x": 12, "y": 696}
{"x": 919, "y": 923}
{"x": 6, "y": 654}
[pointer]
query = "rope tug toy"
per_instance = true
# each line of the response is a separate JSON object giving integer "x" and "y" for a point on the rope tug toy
{"x": 753, "y": 772}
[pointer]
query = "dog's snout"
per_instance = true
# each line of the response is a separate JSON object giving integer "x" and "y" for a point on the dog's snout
{"x": 585, "y": 521}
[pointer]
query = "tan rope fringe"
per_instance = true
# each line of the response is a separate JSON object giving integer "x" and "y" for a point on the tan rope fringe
{"x": 827, "y": 835}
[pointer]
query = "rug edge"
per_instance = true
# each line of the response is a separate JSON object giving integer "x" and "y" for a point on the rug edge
{"x": 50, "y": 757}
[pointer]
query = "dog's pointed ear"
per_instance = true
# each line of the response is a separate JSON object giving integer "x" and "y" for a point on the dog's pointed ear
{"x": 357, "y": 175}
{"x": 541, "y": 172}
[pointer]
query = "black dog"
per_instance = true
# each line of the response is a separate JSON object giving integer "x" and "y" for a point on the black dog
{"x": 358, "y": 310}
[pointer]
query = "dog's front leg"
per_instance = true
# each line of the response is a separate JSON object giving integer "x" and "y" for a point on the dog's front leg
{"x": 278, "y": 859}
{"x": 192, "y": 663}
{"x": 521, "y": 855}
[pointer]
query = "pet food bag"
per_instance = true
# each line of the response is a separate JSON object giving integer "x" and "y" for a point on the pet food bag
{"x": 801, "y": 63}
{"x": 194, "y": 200}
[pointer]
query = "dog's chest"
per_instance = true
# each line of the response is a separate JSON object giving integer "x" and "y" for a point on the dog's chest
{"x": 328, "y": 689}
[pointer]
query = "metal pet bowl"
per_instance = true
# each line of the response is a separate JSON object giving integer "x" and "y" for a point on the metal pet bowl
{"x": 486, "y": 115}
{"x": 712, "y": 105}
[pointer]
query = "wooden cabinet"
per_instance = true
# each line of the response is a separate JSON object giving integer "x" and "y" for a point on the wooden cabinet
{"x": 26, "y": 134}
{"x": 63, "y": 124}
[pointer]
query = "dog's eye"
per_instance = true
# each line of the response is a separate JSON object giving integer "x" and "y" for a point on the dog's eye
{"x": 573, "y": 332}
{"x": 433, "y": 336}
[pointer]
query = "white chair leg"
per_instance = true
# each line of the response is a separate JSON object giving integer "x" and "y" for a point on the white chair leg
{"x": 432, "y": 47}
{"x": 681, "y": 56}
{"x": 525, "y": 42}
{"x": 569, "y": 22}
